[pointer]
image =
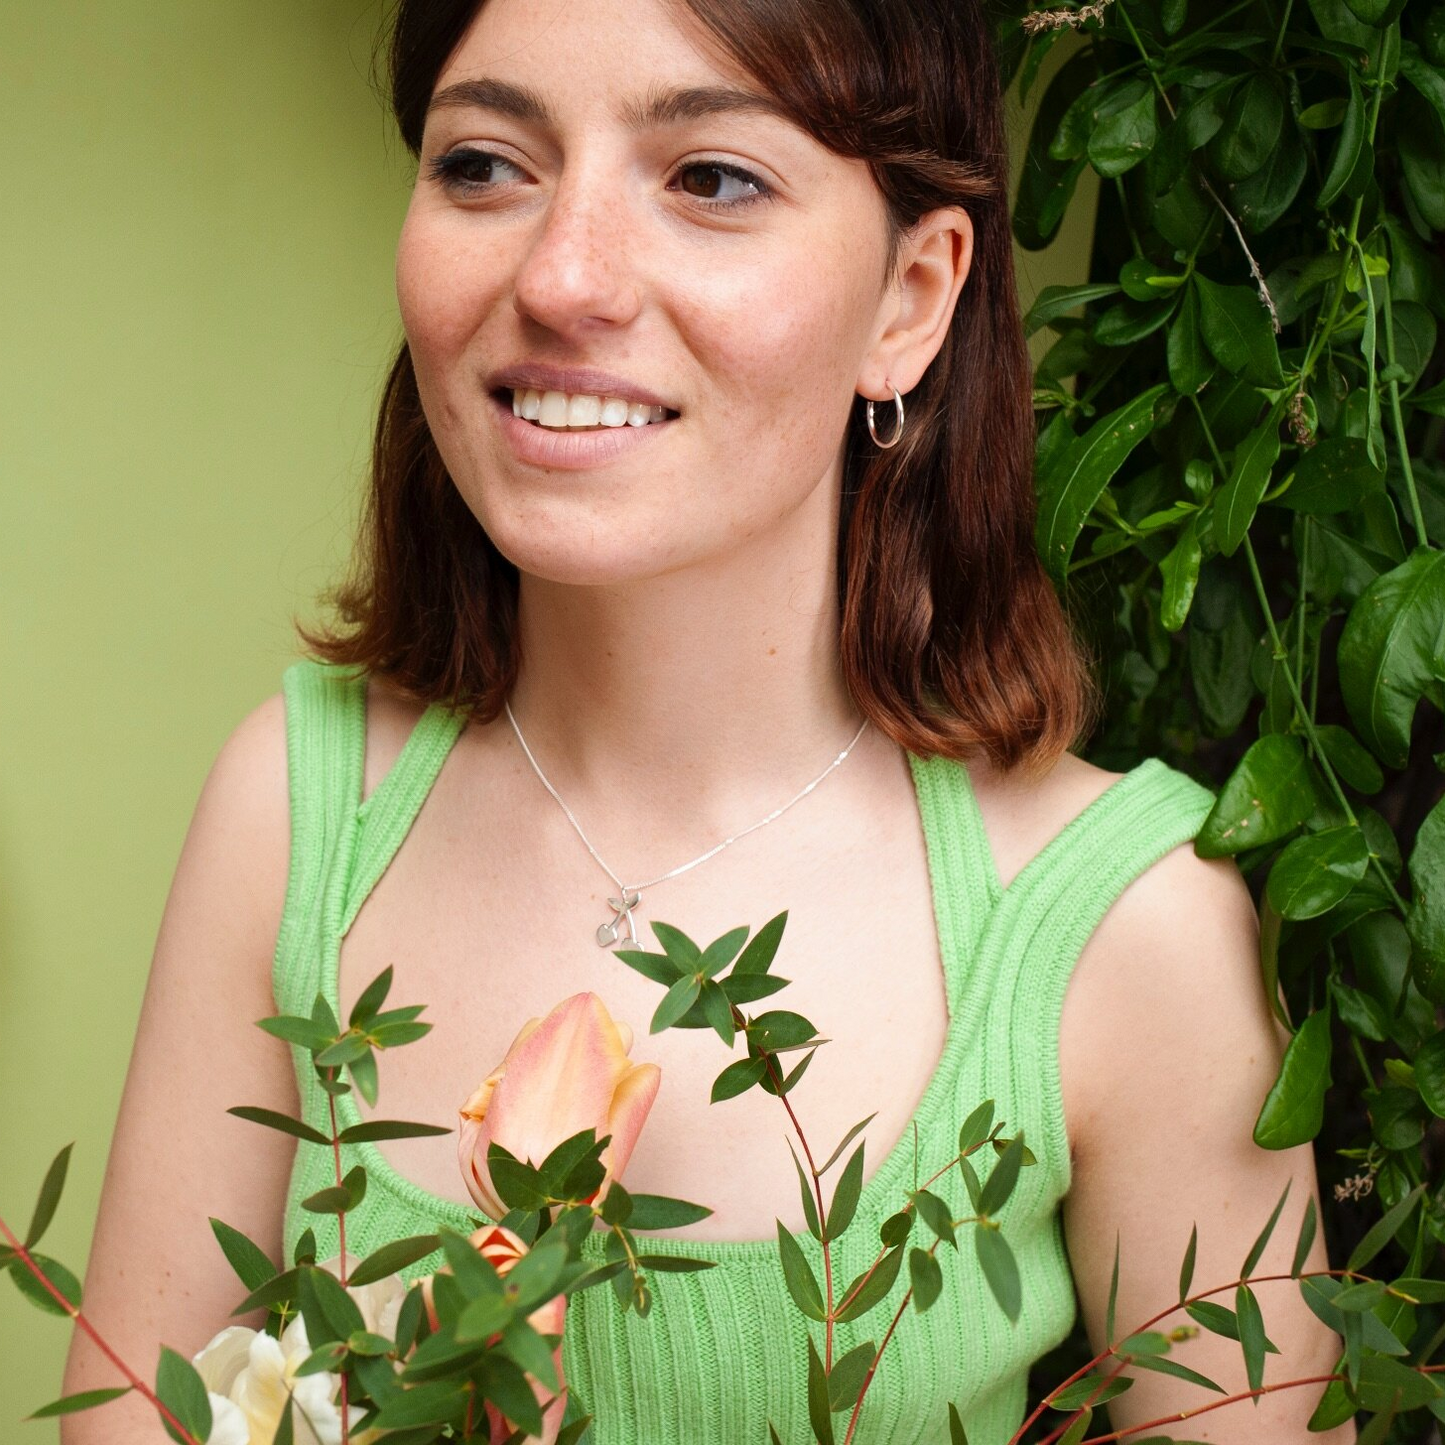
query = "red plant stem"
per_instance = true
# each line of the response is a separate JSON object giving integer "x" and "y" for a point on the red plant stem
{"x": 341, "y": 1263}
{"x": 137, "y": 1383}
{"x": 1213, "y": 1405}
{"x": 872, "y": 1368}
{"x": 1083, "y": 1370}
{"x": 1058, "y": 1431}
{"x": 818, "y": 1192}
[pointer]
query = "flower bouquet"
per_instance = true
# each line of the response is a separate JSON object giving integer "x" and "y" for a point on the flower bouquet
{"x": 471, "y": 1348}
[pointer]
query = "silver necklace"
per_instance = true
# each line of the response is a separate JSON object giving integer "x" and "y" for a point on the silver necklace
{"x": 629, "y": 895}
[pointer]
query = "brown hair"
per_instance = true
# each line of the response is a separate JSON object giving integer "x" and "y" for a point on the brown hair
{"x": 952, "y": 637}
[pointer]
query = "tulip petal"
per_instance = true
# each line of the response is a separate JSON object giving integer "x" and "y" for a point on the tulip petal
{"x": 560, "y": 1081}
{"x": 630, "y": 1106}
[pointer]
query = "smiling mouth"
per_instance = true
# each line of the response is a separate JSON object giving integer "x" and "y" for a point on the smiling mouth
{"x": 571, "y": 411}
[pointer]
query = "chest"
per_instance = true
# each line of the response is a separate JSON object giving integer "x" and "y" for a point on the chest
{"x": 488, "y": 917}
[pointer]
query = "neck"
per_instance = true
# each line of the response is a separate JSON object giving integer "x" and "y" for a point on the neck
{"x": 718, "y": 683}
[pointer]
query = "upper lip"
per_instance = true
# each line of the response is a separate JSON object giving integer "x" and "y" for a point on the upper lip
{"x": 576, "y": 380}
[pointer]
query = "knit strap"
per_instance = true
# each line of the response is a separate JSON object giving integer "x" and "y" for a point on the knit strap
{"x": 1048, "y": 912}
{"x": 385, "y": 817}
{"x": 322, "y": 734}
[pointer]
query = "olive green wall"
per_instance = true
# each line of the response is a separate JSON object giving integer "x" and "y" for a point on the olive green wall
{"x": 200, "y": 204}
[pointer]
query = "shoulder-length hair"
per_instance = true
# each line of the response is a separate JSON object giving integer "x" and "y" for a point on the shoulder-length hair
{"x": 952, "y": 637}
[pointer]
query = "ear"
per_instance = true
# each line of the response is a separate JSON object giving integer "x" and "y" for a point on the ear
{"x": 917, "y": 307}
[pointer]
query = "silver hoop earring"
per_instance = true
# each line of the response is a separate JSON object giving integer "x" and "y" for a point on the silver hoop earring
{"x": 897, "y": 427}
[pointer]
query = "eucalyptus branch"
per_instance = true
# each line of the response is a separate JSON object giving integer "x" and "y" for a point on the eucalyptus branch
{"x": 78, "y": 1316}
{"x": 341, "y": 1241}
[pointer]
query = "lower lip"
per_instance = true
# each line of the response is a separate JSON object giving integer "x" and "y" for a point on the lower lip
{"x": 571, "y": 450}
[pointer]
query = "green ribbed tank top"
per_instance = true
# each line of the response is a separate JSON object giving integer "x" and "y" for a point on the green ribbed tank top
{"x": 724, "y": 1349}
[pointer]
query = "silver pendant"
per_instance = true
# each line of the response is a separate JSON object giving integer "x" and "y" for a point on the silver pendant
{"x": 611, "y": 932}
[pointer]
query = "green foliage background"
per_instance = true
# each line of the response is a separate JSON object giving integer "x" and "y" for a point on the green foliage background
{"x": 1242, "y": 499}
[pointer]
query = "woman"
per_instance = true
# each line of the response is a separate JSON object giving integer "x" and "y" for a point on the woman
{"x": 636, "y": 520}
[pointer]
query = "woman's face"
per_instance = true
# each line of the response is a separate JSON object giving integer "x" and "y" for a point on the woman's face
{"x": 600, "y": 193}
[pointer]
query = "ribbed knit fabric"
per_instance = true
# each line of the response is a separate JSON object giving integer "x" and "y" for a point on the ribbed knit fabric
{"x": 724, "y": 1350}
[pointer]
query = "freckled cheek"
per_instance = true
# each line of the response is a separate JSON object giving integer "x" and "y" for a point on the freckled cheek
{"x": 785, "y": 350}
{"x": 442, "y": 293}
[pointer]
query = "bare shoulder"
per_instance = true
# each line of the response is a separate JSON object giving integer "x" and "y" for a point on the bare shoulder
{"x": 1167, "y": 987}
{"x": 243, "y": 812}
{"x": 1022, "y": 812}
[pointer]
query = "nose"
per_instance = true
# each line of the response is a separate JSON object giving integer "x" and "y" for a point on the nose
{"x": 576, "y": 274}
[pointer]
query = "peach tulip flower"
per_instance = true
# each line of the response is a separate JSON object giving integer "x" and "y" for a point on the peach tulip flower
{"x": 502, "y": 1249}
{"x": 563, "y": 1073}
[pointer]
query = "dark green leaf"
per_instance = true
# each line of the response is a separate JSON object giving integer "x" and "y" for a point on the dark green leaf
{"x": 294, "y": 1030}
{"x": 1269, "y": 794}
{"x": 738, "y": 1077}
{"x": 721, "y": 952}
{"x": 810, "y": 1207}
{"x": 1000, "y": 1183}
{"x": 1190, "y": 364}
{"x": 1332, "y": 476}
{"x": 1237, "y": 330}
{"x": 1384, "y": 1230}
{"x": 1055, "y": 301}
{"x": 85, "y": 1400}
{"x": 1315, "y": 872}
{"x": 1346, "y": 154}
{"x": 272, "y": 1120}
{"x": 1179, "y": 570}
{"x": 999, "y": 1269}
{"x": 374, "y": 1129}
{"x": 675, "y": 1002}
{"x": 1254, "y": 458}
{"x": 181, "y": 1390}
{"x": 37, "y": 1294}
{"x": 1294, "y": 1108}
{"x": 247, "y": 1258}
{"x": 1069, "y": 490}
{"x": 391, "y": 1258}
{"x": 49, "y": 1197}
{"x": 925, "y": 1277}
{"x": 1125, "y": 128}
{"x": 1305, "y": 1238}
{"x": 1388, "y": 652}
{"x": 656, "y": 966}
{"x": 657, "y": 1211}
{"x": 758, "y": 956}
{"x": 1186, "y": 1269}
{"x": 819, "y": 1409}
{"x": 802, "y": 1283}
{"x": 845, "y": 1195}
{"x": 678, "y": 946}
{"x": 880, "y": 1281}
{"x": 1251, "y": 1334}
{"x": 369, "y": 1003}
{"x": 846, "y": 1140}
{"x": 846, "y": 1378}
{"x": 719, "y": 1011}
{"x": 974, "y": 1129}
{"x": 935, "y": 1214}
{"x": 1257, "y": 1250}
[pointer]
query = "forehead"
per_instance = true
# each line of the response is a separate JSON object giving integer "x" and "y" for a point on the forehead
{"x": 581, "y": 52}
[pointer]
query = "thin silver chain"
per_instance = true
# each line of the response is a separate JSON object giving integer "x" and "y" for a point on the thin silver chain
{"x": 629, "y": 895}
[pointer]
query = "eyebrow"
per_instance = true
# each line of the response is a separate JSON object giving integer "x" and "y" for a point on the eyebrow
{"x": 660, "y": 107}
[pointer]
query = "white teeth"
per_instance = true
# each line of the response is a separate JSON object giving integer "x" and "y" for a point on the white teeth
{"x": 583, "y": 410}
{"x": 561, "y": 410}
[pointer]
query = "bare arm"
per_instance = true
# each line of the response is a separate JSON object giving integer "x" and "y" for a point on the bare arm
{"x": 1168, "y": 1048}
{"x": 156, "y": 1274}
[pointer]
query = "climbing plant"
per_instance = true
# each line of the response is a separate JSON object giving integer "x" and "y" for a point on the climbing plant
{"x": 1242, "y": 500}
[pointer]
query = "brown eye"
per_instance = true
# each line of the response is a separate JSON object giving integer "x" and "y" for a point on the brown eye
{"x": 721, "y": 185}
